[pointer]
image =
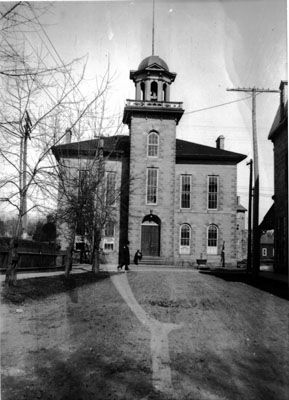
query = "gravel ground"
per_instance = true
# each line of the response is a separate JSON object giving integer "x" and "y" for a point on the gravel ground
{"x": 147, "y": 334}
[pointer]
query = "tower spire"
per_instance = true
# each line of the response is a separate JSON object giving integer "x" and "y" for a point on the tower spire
{"x": 153, "y": 30}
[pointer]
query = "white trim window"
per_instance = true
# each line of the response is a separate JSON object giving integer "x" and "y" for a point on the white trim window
{"x": 153, "y": 144}
{"x": 108, "y": 240}
{"x": 110, "y": 188}
{"x": 213, "y": 192}
{"x": 185, "y": 239}
{"x": 152, "y": 186}
{"x": 186, "y": 191}
{"x": 212, "y": 239}
{"x": 264, "y": 252}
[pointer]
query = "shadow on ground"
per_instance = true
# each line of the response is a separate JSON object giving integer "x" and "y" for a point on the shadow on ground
{"x": 221, "y": 376}
{"x": 84, "y": 375}
{"x": 43, "y": 287}
{"x": 270, "y": 285}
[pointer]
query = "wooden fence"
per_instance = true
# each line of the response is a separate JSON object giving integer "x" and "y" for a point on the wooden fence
{"x": 38, "y": 261}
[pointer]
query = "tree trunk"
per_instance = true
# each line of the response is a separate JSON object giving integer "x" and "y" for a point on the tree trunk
{"x": 68, "y": 261}
{"x": 11, "y": 271}
{"x": 95, "y": 256}
{"x": 11, "y": 266}
{"x": 95, "y": 262}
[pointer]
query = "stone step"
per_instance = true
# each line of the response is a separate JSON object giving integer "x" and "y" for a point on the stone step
{"x": 153, "y": 261}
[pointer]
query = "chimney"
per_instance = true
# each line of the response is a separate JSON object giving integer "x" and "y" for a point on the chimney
{"x": 283, "y": 99}
{"x": 238, "y": 200}
{"x": 68, "y": 135}
{"x": 220, "y": 142}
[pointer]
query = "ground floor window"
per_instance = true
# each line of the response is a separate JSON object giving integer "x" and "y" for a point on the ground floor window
{"x": 108, "y": 241}
{"x": 212, "y": 239}
{"x": 185, "y": 239}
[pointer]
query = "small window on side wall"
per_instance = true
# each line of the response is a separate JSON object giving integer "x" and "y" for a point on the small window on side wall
{"x": 185, "y": 239}
{"x": 212, "y": 239}
{"x": 153, "y": 145}
{"x": 185, "y": 191}
{"x": 213, "y": 192}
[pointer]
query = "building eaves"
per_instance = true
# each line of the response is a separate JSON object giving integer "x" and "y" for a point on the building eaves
{"x": 268, "y": 222}
{"x": 279, "y": 123}
{"x": 188, "y": 151}
{"x": 112, "y": 145}
{"x": 241, "y": 208}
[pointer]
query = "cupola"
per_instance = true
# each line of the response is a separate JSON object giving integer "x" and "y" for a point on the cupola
{"x": 152, "y": 80}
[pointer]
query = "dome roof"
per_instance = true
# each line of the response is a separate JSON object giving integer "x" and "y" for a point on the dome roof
{"x": 153, "y": 60}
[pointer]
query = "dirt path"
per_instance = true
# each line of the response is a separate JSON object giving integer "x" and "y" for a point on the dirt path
{"x": 148, "y": 335}
{"x": 159, "y": 343}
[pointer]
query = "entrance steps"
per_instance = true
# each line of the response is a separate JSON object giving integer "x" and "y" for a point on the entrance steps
{"x": 147, "y": 260}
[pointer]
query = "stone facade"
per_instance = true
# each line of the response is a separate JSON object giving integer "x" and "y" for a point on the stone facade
{"x": 178, "y": 199}
{"x": 167, "y": 217}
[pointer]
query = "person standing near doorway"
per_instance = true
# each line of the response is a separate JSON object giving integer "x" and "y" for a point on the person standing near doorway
{"x": 124, "y": 259}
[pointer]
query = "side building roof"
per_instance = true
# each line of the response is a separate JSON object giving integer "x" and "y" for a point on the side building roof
{"x": 279, "y": 122}
{"x": 112, "y": 145}
{"x": 186, "y": 152}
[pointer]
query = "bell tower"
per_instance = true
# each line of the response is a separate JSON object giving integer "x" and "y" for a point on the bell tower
{"x": 152, "y": 119}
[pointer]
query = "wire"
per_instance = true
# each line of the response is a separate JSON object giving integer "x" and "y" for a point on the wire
{"x": 218, "y": 105}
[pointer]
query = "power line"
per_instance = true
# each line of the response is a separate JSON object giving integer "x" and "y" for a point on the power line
{"x": 218, "y": 105}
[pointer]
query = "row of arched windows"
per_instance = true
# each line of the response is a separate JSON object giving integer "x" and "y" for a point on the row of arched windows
{"x": 212, "y": 238}
{"x": 153, "y": 91}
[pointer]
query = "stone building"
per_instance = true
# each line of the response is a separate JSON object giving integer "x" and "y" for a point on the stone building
{"x": 181, "y": 204}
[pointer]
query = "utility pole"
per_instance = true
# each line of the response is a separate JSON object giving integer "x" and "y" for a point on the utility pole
{"x": 23, "y": 209}
{"x": 249, "y": 249}
{"x": 256, "y": 233}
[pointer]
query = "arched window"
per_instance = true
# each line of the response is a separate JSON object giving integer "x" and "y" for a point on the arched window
{"x": 165, "y": 92}
{"x": 185, "y": 239}
{"x": 212, "y": 239}
{"x": 142, "y": 89}
{"x": 154, "y": 91}
{"x": 153, "y": 145}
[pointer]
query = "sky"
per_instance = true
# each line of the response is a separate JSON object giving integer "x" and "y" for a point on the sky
{"x": 212, "y": 45}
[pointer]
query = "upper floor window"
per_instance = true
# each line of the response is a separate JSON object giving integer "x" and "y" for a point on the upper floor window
{"x": 212, "y": 240}
{"x": 83, "y": 185}
{"x": 110, "y": 188}
{"x": 185, "y": 191}
{"x": 185, "y": 239}
{"x": 109, "y": 229}
{"x": 153, "y": 144}
{"x": 213, "y": 189}
{"x": 152, "y": 185}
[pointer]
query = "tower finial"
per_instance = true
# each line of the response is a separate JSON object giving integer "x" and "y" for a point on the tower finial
{"x": 153, "y": 30}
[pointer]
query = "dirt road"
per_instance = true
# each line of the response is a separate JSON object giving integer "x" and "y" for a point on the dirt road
{"x": 167, "y": 334}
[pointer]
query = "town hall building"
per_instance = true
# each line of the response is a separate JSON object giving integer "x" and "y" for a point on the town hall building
{"x": 178, "y": 200}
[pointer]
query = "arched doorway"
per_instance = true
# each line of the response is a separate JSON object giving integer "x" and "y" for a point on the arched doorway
{"x": 150, "y": 235}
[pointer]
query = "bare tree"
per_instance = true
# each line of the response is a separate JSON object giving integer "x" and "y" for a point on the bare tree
{"x": 90, "y": 201}
{"x": 37, "y": 102}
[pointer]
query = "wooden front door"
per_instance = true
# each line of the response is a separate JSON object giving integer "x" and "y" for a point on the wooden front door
{"x": 150, "y": 240}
